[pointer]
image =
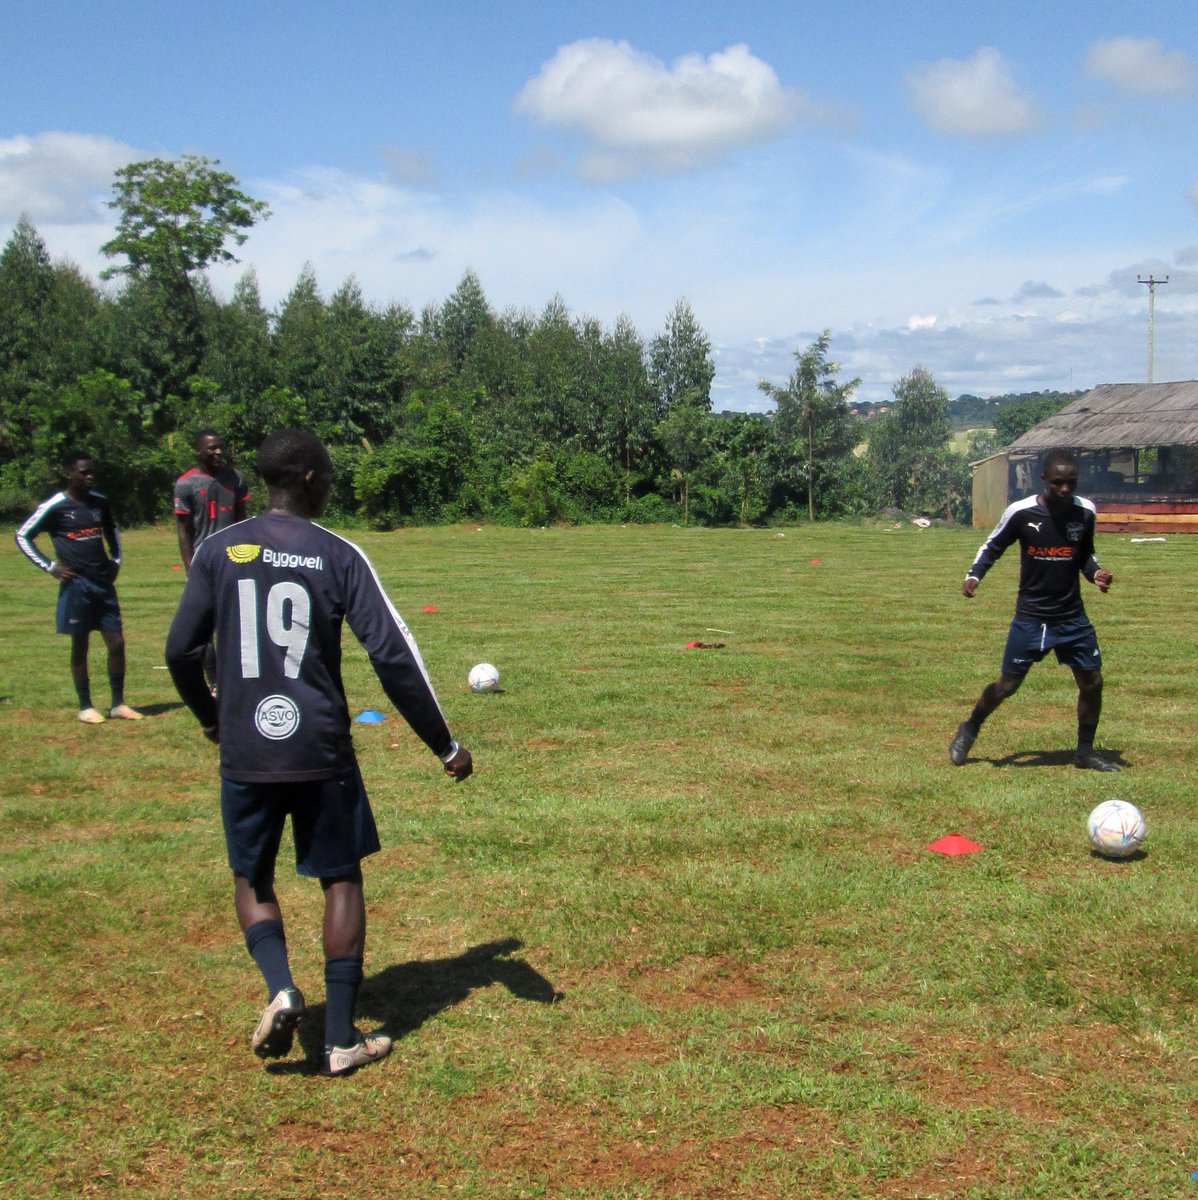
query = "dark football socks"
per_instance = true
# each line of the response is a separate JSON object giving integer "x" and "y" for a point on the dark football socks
{"x": 342, "y": 978}
{"x": 267, "y": 945}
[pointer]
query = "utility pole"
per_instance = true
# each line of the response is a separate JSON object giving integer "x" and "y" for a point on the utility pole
{"x": 1151, "y": 284}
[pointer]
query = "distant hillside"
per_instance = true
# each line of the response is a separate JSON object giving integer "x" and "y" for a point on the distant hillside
{"x": 976, "y": 412}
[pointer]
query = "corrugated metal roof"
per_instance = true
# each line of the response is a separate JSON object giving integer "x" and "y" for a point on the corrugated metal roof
{"x": 1117, "y": 415}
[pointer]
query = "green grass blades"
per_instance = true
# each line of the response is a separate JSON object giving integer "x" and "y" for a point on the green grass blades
{"x": 678, "y": 937}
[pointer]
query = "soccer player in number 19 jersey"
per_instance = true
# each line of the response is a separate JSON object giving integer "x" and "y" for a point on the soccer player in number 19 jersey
{"x": 276, "y": 590}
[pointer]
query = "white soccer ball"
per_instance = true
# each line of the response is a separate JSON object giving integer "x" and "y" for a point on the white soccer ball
{"x": 1116, "y": 829}
{"x": 484, "y": 678}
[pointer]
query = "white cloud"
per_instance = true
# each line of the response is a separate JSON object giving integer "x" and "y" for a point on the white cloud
{"x": 917, "y": 322}
{"x": 976, "y": 99}
{"x": 1141, "y": 66}
{"x": 638, "y": 115}
{"x": 58, "y": 177}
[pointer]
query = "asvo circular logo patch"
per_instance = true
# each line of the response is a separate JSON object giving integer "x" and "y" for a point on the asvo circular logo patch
{"x": 277, "y": 718}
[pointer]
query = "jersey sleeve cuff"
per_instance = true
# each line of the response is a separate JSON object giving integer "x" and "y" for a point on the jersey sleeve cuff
{"x": 449, "y": 754}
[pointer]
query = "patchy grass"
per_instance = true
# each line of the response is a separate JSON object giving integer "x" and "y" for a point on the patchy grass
{"x": 679, "y": 936}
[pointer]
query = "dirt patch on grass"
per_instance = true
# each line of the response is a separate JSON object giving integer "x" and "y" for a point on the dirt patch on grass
{"x": 715, "y": 982}
{"x": 965, "y": 1072}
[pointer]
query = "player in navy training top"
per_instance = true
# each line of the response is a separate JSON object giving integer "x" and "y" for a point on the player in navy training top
{"x": 275, "y": 590}
{"x": 1055, "y": 533}
{"x": 87, "y": 557}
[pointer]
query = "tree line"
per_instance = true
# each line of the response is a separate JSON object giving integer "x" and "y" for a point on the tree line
{"x": 457, "y": 411}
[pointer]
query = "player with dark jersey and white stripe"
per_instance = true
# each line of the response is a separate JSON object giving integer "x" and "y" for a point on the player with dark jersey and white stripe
{"x": 1055, "y": 534}
{"x": 87, "y": 558}
{"x": 276, "y": 590}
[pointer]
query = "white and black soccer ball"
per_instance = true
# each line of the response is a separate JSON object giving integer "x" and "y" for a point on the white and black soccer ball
{"x": 483, "y": 677}
{"x": 1116, "y": 829}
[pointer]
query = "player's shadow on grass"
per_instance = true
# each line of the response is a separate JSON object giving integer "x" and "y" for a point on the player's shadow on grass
{"x": 1049, "y": 758}
{"x": 400, "y": 998}
{"x": 156, "y": 710}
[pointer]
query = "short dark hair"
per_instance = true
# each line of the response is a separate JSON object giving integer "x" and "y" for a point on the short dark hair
{"x": 1058, "y": 457}
{"x": 201, "y": 435}
{"x": 71, "y": 457}
{"x": 287, "y": 455}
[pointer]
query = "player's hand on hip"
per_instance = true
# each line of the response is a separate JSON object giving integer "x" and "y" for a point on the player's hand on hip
{"x": 62, "y": 573}
{"x": 461, "y": 766}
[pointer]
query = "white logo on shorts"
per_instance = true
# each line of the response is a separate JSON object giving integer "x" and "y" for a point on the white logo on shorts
{"x": 277, "y": 718}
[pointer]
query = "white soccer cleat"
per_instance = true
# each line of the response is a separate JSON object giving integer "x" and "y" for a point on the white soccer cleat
{"x": 276, "y": 1027}
{"x": 122, "y": 712}
{"x": 370, "y": 1047}
{"x": 92, "y": 716}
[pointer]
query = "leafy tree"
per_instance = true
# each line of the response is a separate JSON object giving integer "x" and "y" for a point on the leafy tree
{"x": 682, "y": 433}
{"x": 627, "y": 417}
{"x": 239, "y": 359}
{"x": 812, "y": 426}
{"x": 462, "y": 316}
{"x": 680, "y": 364}
{"x": 176, "y": 216}
{"x": 1015, "y": 419}
{"x": 906, "y": 446}
{"x": 737, "y": 469}
{"x": 299, "y": 341}
{"x": 48, "y": 322}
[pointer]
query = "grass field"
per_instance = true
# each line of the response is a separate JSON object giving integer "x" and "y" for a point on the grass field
{"x": 678, "y": 937}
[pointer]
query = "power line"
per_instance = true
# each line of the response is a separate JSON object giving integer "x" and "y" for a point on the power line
{"x": 1151, "y": 284}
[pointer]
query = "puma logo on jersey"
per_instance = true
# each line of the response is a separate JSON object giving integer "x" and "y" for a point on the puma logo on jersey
{"x": 1035, "y": 525}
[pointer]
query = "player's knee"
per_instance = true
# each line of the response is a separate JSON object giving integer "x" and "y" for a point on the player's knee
{"x": 1007, "y": 685}
{"x": 1089, "y": 683}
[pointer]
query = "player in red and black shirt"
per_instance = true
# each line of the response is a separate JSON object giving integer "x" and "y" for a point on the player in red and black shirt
{"x": 276, "y": 590}
{"x": 209, "y": 496}
{"x": 87, "y": 557}
{"x": 1055, "y": 534}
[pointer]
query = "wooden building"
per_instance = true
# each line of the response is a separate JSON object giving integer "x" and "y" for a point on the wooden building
{"x": 1137, "y": 445}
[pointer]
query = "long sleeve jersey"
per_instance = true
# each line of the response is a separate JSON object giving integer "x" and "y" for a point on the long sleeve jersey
{"x": 275, "y": 590}
{"x": 1053, "y": 553}
{"x": 80, "y": 531}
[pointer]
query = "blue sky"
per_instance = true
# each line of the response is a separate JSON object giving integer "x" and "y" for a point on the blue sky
{"x": 974, "y": 190}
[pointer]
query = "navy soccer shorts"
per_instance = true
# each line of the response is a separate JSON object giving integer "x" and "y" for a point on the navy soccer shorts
{"x": 84, "y": 605}
{"x": 331, "y": 822}
{"x": 1074, "y": 642}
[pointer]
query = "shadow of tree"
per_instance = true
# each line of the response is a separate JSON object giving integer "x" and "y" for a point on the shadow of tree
{"x": 400, "y": 998}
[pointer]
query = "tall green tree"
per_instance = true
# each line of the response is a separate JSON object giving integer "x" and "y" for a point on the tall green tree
{"x": 176, "y": 217}
{"x": 813, "y": 428}
{"x": 681, "y": 368}
{"x": 461, "y": 317}
{"x": 909, "y": 455}
{"x": 627, "y": 418}
{"x": 299, "y": 341}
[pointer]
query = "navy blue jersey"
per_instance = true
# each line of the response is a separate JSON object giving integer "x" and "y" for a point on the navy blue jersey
{"x": 83, "y": 533}
{"x": 1053, "y": 553}
{"x": 275, "y": 589}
